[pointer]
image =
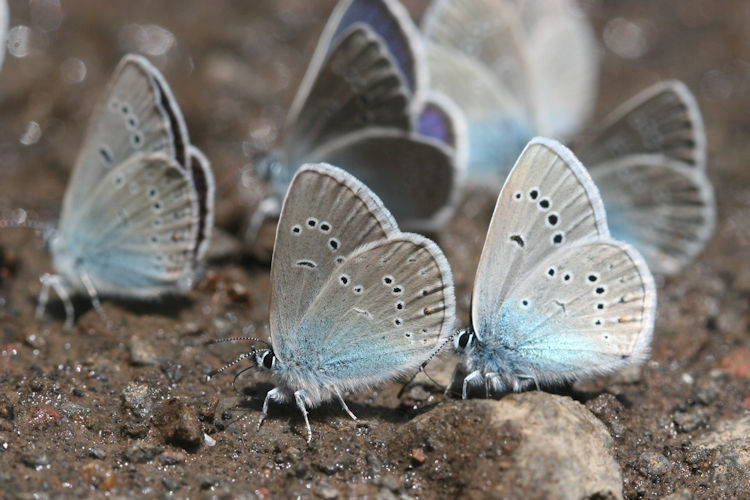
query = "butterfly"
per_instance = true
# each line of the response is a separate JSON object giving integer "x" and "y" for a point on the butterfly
{"x": 4, "y": 20}
{"x": 520, "y": 69}
{"x": 354, "y": 301}
{"x": 555, "y": 297}
{"x": 138, "y": 210}
{"x": 364, "y": 105}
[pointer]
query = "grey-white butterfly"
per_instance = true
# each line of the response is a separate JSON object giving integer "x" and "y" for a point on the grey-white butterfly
{"x": 138, "y": 210}
{"x": 531, "y": 69}
{"x": 555, "y": 298}
{"x": 355, "y": 302}
{"x": 4, "y": 20}
{"x": 364, "y": 105}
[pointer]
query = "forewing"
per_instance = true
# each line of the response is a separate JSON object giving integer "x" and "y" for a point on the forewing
{"x": 585, "y": 309}
{"x": 205, "y": 189}
{"x": 137, "y": 230}
{"x": 665, "y": 208}
{"x": 326, "y": 215}
{"x": 564, "y": 65}
{"x": 416, "y": 177}
{"x": 357, "y": 87}
{"x": 382, "y": 313}
{"x": 663, "y": 119}
{"x": 497, "y": 125}
{"x": 547, "y": 203}
{"x": 490, "y": 33}
{"x": 134, "y": 116}
{"x": 392, "y": 23}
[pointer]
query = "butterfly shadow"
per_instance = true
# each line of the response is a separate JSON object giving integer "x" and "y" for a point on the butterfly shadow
{"x": 168, "y": 306}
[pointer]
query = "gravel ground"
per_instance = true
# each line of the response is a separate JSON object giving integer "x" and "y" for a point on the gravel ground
{"x": 127, "y": 411}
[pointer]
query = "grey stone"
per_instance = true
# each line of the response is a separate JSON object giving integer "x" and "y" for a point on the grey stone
{"x": 141, "y": 352}
{"x": 136, "y": 398}
{"x": 654, "y": 465}
{"x": 532, "y": 445}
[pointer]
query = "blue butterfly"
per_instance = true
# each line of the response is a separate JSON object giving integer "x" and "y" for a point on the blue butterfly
{"x": 138, "y": 210}
{"x": 364, "y": 105}
{"x": 555, "y": 297}
{"x": 355, "y": 302}
{"x": 520, "y": 69}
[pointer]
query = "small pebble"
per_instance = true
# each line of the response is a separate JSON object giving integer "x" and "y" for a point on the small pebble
{"x": 208, "y": 440}
{"x": 653, "y": 465}
{"x": 97, "y": 453}
{"x": 35, "y": 460}
{"x": 141, "y": 352}
{"x": 170, "y": 484}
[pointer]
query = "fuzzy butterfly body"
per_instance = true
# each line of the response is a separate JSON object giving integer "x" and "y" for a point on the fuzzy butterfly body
{"x": 138, "y": 211}
{"x": 555, "y": 297}
{"x": 362, "y": 105}
{"x": 355, "y": 302}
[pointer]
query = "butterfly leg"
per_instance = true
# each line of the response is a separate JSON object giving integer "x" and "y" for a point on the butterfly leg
{"x": 301, "y": 399}
{"x": 473, "y": 378}
{"x": 268, "y": 208}
{"x": 94, "y": 296}
{"x": 343, "y": 404}
{"x": 272, "y": 395}
{"x": 55, "y": 282}
{"x": 494, "y": 383}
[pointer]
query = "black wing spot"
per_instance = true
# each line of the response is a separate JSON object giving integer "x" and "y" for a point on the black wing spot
{"x": 544, "y": 203}
{"x": 517, "y": 196}
{"x": 106, "y": 156}
{"x": 312, "y": 222}
{"x": 387, "y": 279}
{"x": 517, "y": 239}
{"x": 534, "y": 194}
{"x": 551, "y": 272}
{"x": 296, "y": 229}
{"x": 553, "y": 219}
{"x": 593, "y": 277}
{"x": 600, "y": 290}
{"x": 334, "y": 244}
{"x": 324, "y": 227}
{"x": 307, "y": 263}
{"x": 558, "y": 238}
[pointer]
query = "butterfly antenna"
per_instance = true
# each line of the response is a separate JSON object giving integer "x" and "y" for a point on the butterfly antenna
{"x": 240, "y": 339}
{"x": 227, "y": 366}
{"x": 422, "y": 368}
{"x": 20, "y": 218}
{"x": 238, "y": 376}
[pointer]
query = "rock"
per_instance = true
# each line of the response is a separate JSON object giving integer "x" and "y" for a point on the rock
{"x": 529, "y": 445}
{"x": 178, "y": 424}
{"x": 172, "y": 457}
{"x": 326, "y": 492}
{"x": 141, "y": 352}
{"x": 730, "y": 443}
{"x": 97, "y": 453}
{"x": 170, "y": 484}
{"x": 173, "y": 370}
{"x": 97, "y": 475}
{"x": 8, "y": 401}
{"x": 142, "y": 453}
{"x": 681, "y": 494}
{"x": 653, "y": 465}
{"x": 136, "y": 399}
{"x": 35, "y": 460}
{"x": 688, "y": 422}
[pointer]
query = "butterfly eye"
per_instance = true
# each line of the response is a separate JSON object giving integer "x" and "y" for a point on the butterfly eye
{"x": 269, "y": 360}
{"x": 464, "y": 339}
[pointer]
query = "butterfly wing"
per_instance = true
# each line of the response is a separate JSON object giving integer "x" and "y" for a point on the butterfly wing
{"x": 663, "y": 207}
{"x": 4, "y": 19}
{"x": 489, "y": 33}
{"x": 382, "y": 313}
{"x": 205, "y": 189}
{"x": 135, "y": 115}
{"x": 416, "y": 177}
{"x": 564, "y": 65}
{"x": 585, "y": 309}
{"x": 326, "y": 215}
{"x": 547, "y": 203}
{"x": 357, "y": 87}
{"x": 137, "y": 230}
{"x": 663, "y": 119}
